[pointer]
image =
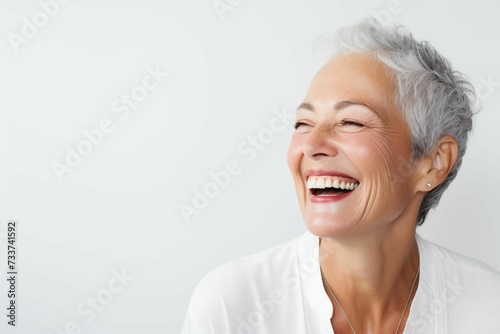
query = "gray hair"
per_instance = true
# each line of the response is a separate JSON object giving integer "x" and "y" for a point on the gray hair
{"x": 435, "y": 100}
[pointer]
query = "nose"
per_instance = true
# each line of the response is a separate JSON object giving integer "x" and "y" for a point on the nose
{"x": 320, "y": 143}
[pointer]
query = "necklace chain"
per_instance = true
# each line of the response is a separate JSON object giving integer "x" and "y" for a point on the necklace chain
{"x": 347, "y": 318}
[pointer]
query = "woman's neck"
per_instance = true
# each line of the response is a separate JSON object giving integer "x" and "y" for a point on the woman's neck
{"x": 371, "y": 274}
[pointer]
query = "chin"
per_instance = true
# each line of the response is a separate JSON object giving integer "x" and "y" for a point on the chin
{"x": 326, "y": 226}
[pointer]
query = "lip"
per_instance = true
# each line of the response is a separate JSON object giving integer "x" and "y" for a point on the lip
{"x": 327, "y": 199}
{"x": 324, "y": 172}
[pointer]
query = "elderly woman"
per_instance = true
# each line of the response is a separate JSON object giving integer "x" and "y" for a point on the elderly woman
{"x": 378, "y": 138}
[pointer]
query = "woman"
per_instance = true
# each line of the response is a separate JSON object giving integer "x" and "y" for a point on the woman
{"x": 379, "y": 137}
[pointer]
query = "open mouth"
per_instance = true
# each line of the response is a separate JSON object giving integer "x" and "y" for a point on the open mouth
{"x": 330, "y": 185}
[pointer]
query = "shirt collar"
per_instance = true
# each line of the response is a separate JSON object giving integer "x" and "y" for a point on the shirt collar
{"x": 315, "y": 298}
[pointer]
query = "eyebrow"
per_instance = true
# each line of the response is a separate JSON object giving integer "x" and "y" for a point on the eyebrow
{"x": 337, "y": 106}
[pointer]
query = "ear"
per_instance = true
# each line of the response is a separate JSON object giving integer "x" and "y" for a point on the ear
{"x": 437, "y": 165}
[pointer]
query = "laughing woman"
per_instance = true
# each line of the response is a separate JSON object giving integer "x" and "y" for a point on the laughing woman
{"x": 380, "y": 135}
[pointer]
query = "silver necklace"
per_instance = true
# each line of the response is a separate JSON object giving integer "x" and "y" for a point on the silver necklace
{"x": 345, "y": 315}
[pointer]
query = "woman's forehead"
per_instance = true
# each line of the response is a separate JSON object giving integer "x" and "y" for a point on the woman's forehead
{"x": 357, "y": 78}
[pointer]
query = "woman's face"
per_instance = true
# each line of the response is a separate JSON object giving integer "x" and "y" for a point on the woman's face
{"x": 350, "y": 134}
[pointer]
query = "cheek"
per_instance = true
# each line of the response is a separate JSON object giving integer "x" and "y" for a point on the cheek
{"x": 380, "y": 157}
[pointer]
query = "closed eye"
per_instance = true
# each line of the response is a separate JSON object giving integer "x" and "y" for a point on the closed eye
{"x": 353, "y": 123}
{"x": 298, "y": 124}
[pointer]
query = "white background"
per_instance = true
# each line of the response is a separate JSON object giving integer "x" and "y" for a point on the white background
{"x": 119, "y": 209}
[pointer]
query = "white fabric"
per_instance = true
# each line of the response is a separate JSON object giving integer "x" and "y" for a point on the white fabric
{"x": 279, "y": 291}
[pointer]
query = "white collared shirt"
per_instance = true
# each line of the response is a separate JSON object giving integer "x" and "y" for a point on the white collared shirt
{"x": 280, "y": 291}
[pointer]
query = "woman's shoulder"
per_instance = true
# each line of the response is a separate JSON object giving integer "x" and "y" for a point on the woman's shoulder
{"x": 447, "y": 259}
{"x": 240, "y": 286}
{"x": 456, "y": 293}
{"x": 263, "y": 263}
{"x": 450, "y": 275}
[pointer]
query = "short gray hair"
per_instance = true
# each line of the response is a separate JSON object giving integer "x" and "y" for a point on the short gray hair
{"x": 435, "y": 99}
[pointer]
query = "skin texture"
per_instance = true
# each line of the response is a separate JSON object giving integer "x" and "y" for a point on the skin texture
{"x": 349, "y": 123}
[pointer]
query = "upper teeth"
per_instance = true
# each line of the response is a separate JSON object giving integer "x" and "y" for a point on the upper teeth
{"x": 322, "y": 182}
